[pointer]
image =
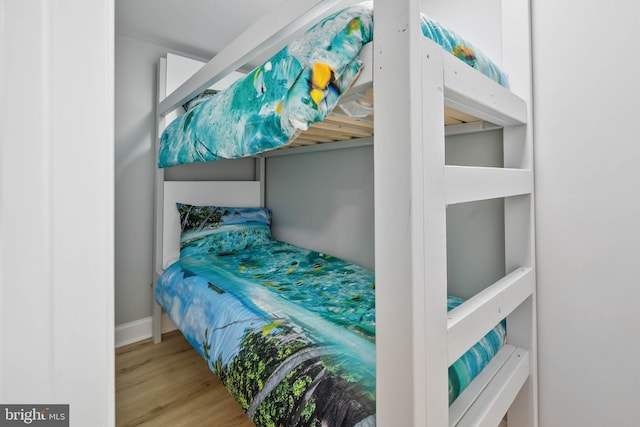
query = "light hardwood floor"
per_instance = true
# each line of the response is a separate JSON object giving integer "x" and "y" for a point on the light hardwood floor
{"x": 169, "y": 384}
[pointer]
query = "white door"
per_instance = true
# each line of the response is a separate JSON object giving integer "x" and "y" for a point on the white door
{"x": 56, "y": 206}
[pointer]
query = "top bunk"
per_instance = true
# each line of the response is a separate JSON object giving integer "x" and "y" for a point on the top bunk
{"x": 318, "y": 89}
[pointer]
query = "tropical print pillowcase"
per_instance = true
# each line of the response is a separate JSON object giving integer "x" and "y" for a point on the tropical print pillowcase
{"x": 222, "y": 230}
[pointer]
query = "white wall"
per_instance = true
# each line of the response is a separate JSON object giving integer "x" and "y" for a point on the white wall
{"x": 586, "y": 91}
{"x": 135, "y": 98}
{"x": 135, "y": 67}
{"x": 56, "y": 206}
{"x": 324, "y": 201}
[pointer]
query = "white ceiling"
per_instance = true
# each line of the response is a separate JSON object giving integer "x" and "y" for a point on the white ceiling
{"x": 197, "y": 27}
{"x": 201, "y": 28}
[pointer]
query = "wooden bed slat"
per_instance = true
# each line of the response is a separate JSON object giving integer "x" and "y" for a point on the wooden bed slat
{"x": 454, "y": 115}
{"x": 350, "y": 122}
{"x": 339, "y": 127}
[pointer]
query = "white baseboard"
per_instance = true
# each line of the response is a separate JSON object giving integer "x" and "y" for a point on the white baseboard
{"x": 139, "y": 330}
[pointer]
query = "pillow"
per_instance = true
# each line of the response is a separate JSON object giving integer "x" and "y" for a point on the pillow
{"x": 221, "y": 230}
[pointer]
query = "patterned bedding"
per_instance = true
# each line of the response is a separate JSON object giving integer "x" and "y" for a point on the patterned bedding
{"x": 295, "y": 88}
{"x": 289, "y": 331}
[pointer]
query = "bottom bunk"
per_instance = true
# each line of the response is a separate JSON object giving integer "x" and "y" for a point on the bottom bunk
{"x": 290, "y": 331}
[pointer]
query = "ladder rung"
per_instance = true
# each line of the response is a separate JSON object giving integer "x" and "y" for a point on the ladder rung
{"x": 491, "y": 405}
{"x": 469, "y": 184}
{"x": 469, "y": 395}
{"x": 474, "y": 318}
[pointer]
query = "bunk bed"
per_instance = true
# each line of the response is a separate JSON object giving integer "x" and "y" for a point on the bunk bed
{"x": 413, "y": 392}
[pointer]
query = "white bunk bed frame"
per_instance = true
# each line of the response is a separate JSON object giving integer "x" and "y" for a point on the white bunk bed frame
{"x": 413, "y": 182}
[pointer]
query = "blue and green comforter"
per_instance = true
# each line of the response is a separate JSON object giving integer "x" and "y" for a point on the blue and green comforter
{"x": 289, "y": 331}
{"x": 295, "y": 88}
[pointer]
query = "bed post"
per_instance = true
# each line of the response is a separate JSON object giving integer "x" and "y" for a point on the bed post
{"x": 411, "y": 329}
{"x": 156, "y": 316}
{"x": 261, "y": 175}
{"x": 156, "y": 322}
